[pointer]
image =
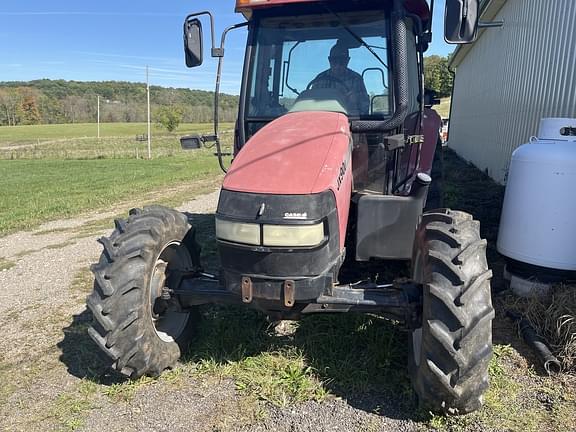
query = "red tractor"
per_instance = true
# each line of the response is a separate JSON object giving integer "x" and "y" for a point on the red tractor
{"x": 333, "y": 154}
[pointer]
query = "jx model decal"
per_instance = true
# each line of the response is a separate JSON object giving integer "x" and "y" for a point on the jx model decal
{"x": 342, "y": 173}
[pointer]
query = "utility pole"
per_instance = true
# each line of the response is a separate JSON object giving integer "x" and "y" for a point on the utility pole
{"x": 148, "y": 98}
{"x": 98, "y": 118}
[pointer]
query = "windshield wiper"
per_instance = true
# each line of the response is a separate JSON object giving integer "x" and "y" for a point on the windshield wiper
{"x": 355, "y": 36}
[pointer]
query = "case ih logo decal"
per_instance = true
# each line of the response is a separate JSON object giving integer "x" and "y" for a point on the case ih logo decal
{"x": 297, "y": 216}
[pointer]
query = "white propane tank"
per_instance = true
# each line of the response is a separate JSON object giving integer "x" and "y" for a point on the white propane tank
{"x": 538, "y": 224}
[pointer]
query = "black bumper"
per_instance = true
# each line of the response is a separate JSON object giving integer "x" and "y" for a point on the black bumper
{"x": 285, "y": 291}
{"x": 288, "y": 299}
{"x": 273, "y": 263}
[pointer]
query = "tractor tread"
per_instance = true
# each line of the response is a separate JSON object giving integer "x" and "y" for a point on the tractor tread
{"x": 119, "y": 303}
{"x": 451, "y": 374}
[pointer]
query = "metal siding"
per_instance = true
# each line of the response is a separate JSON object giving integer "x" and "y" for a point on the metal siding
{"x": 512, "y": 77}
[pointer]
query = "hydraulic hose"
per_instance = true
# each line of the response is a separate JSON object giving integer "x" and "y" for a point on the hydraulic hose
{"x": 538, "y": 344}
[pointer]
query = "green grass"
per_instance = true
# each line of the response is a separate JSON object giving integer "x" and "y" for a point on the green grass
{"x": 74, "y": 171}
{"x": 15, "y": 134}
{"x": 342, "y": 355}
{"x": 517, "y": 400}
{"x": 70, "y": 408}
{"x": 5, "y": 264}
{"x": 35, "y": 191}
{"x": 444, "y": 108}
{"x": 78, "y": 141}
{"x": 347, "y": 355}
{"x": 125, "y": 390}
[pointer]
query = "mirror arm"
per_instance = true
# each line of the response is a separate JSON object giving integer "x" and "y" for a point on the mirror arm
{"x": 431, "y": 19}
{"x": 493, "y": 24}
{"x": 209, "y": 14}
{"x": 220, "y": 52}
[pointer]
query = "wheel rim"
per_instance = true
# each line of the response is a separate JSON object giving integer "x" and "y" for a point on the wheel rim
{"x": 169, "y": 324}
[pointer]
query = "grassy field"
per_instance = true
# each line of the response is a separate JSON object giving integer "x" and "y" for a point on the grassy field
{"x": 79, "y": 141}
{"x": 62, "y": 177}
{"x": 31, "y": 134}
{"x": 36, "y": 191}
{"x": 444, "y": 108}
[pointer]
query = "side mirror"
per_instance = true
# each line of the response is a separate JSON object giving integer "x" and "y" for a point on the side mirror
{"x": 461, "y": 21}
{"x": 191, "y": 142}
{"x": 430, "y": 98}
{"x": 193, "y": 43}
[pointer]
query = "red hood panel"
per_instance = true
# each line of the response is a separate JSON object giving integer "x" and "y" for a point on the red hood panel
{"x": 294, "y": 155}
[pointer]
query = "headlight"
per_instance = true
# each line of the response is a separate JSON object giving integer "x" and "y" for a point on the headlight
{"x": 293, "y": 236}
{"x": 238, "y": 232}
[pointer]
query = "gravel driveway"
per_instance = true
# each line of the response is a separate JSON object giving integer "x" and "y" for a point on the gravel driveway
{"x": 47, "y": 359}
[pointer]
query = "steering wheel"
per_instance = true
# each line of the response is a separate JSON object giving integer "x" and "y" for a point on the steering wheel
{"x": 329, "y": 80}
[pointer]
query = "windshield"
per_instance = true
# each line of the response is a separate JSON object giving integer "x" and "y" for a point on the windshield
{"x": 323, "y": 62}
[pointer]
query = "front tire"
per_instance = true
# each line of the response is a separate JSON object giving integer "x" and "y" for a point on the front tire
{"x": 142, "y": 334}
{"x": 451, "y": 351}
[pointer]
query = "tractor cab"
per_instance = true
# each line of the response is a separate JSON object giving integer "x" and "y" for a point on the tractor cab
{"x": 315, "y": 63}
{"x": 319, "y": 58}
{"x": 361, "y": 59}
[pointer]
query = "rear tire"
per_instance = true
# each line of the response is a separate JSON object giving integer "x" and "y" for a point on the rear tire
{"x": 131, "y": 323}
{"x": 451, "y": 352}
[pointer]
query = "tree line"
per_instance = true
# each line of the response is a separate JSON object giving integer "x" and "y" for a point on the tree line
{"x": 59, "y": 101}
{"x": 437, "y": 76}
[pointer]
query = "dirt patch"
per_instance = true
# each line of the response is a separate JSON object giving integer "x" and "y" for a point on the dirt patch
{"x": 42, "y": 290}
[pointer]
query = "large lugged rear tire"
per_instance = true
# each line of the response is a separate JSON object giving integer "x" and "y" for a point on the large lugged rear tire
{"x": 451, "y": 352}
{"x": 131, "y": 324}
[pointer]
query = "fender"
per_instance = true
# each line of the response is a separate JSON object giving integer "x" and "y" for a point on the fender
{"x": 417, "y": 159}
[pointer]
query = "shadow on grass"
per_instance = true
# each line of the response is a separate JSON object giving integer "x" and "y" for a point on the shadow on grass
{"x": 360, "y": 358}
{"x": 82, "y": 357}
{"x": 205, "y": 227}
{"x": 469, "y": 189}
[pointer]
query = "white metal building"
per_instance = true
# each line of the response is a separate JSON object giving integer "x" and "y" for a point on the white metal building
{"x": 510, "y": 78}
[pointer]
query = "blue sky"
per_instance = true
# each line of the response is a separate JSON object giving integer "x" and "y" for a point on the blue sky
{"x": 115, "y": 40}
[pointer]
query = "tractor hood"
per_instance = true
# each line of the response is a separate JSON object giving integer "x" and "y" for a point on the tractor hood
{"x": 299, "y": 153}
